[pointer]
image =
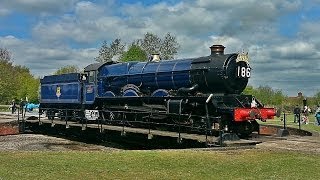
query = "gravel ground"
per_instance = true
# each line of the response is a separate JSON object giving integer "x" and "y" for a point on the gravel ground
{"x": 35, "y": 142}
{"x": 307, "y": 144}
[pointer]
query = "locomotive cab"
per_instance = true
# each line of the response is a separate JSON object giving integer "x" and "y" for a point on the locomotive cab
{"x": 90, "y": 89}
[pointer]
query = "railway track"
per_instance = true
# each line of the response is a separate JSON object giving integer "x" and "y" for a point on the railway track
{"x": 113, "y": 133}
{"x": 129, "y": 135}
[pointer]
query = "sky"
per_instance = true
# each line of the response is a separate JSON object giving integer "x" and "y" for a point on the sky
{"x": 282, "y": 37}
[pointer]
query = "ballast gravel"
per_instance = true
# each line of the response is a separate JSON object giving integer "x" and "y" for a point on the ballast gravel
{"x": 36, "y": 142}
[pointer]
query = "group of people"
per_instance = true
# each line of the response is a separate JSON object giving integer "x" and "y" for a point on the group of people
{"x": 14, "y": 106}
{"x": 305, "y": 113}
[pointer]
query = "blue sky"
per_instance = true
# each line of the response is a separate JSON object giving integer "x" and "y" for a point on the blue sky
{"x": 282, "y": 37}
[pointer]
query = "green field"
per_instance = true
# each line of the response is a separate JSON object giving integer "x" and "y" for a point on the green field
{"x": 289, "y": 122}
{"x": 4, "y": 108}
{"x": 243, "y": 164}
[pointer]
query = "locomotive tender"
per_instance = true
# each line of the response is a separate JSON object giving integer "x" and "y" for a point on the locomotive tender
{"x": 201, "y": 95}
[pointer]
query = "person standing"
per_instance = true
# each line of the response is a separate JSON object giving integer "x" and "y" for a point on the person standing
{"x": 317, "y": 115}
{"x": 22, "y": 103}
{"x": 305, "y": 112}
{"x": 13, "y": 106}
{"x": 296, "y": 112}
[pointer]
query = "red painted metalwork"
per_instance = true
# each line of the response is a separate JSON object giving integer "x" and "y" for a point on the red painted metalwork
{"x": 249, "y": 114}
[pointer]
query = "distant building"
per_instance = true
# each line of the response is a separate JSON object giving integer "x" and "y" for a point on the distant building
{"x": 300, "y": 100}
{"x": 300, "y": 96}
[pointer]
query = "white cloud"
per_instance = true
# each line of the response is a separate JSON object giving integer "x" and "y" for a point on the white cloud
{"x": 189, "y": 19}
{"x": 88, "y": 10}
{"x": 309, "y": 31}
{"x": 295, "y": 50}
{"x": 4, "y": 12}
{"x": 43, "y": 59}
{"x": 38, "y": 6}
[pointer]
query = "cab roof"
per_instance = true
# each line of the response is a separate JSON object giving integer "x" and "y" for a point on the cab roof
{"x": 97, "y": 66}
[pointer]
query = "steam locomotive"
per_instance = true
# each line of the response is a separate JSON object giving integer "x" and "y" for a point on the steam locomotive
{"x": 198, "y": 95}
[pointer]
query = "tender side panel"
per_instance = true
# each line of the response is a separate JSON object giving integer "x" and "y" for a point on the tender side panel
{"x": 64, "y": 88}
{"x": 68, "y": 93}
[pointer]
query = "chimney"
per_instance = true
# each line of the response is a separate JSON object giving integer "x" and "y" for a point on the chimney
{"x": 155, "y": 57}
{"x": 217, "y": 49}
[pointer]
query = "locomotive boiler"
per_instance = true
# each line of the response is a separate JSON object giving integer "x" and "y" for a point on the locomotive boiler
{"x": 201, "y": 95}
{"x": 217, "y": 73}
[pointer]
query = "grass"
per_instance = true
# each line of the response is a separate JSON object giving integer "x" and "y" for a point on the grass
{"x": 289, "y": 122}
{"x": 243, "y": 164}
{"x": 4, "y": 108}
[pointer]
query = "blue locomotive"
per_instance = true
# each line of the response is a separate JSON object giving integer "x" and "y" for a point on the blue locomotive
{"x": 201, "y": 94}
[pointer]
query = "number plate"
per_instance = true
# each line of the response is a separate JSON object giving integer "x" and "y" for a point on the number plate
{"x": 243, "y": 72}
{"x": 92, "y": 114}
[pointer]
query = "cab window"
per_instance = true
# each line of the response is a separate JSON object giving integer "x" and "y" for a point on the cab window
{"x": 92, "y": 76}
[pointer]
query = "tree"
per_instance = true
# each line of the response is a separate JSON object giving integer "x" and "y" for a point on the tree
{"x": 5, "y": 55}
{"x": 133, "y": 54}
{"x": 16, "y": 82}
{"x": 107, "y": 52}
{"x": 169, "y": 47}
{"x": 67, "y": 69}
{"x": 278, "y": 97}
{"x": 151, "y": 43}
{"x": 317, "y": 98}
{"x": 28, "y": 84}
{"x": 249, "y": 90}
{"x": 7, "y": 82}
{"x": 266, "y": 95}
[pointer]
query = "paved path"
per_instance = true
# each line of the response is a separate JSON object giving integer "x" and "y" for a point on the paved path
{"x": 8, "y": 116}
